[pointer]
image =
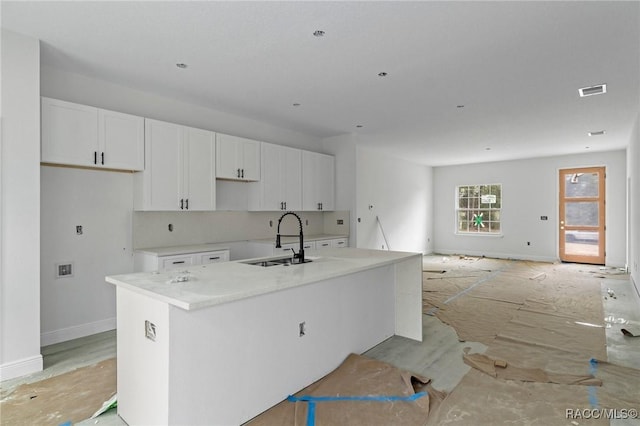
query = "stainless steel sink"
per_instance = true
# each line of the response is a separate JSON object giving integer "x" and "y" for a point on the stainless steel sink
{"x": 275, "y": 262}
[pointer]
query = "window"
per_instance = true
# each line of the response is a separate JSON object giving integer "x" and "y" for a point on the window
{"x": 478, "y": 209}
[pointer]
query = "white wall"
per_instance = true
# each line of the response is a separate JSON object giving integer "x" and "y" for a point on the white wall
{"x": 529, "y": 190}
{"x": 633, "y": 171}
{"x": 103, "y": 94}
{"x": 400, "y": 193}
{"x": 20, "y": 207}
{"x": 344, "y": 149}
{"x": 100, "y": 202}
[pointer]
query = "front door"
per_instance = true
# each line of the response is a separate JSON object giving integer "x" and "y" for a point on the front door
{"x": 582, "y": 215}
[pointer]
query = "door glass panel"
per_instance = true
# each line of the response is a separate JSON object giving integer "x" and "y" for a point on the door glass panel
{"x": 584, "y": 213}
{"x": 582, "y": 243}
{"x": 581, "y": 185}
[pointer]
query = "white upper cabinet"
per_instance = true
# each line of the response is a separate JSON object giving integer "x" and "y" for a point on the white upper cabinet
{"x": 81, "y": 135}
{"x": 318, "y": 177}
{"x": 179, "y": 170}
{"x": 121, "y": 140}
{"x": 280, "y": 185}
{"x": 237, "y": 158}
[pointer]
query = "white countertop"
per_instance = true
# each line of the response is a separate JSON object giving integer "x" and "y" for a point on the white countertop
{"x": 224, "y": 282}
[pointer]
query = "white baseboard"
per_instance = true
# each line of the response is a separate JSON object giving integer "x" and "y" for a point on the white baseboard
{"x": 508, "y": 256}
{"x": 77, "y": 331}
{"x": 22, "y": 367}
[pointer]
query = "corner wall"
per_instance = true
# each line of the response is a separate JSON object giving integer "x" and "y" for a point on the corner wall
{"x": 20, "y": 207}
{"x": 633, "y": 171}
{"x": 530, "y": 190}
{"x": 399, "y": 193}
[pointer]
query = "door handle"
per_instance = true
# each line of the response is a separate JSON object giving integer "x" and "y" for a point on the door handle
{"x": 187, "y": 204}
{"x": 95, "y": 157}
{"x": 242, "y": 173}
{"x": 238, "y": 172}
{"x": 102, "y": 158}
{"x": 181, "y": 203}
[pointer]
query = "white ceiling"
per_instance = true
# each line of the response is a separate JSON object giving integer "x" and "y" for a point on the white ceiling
{"x": 515, "y": 66}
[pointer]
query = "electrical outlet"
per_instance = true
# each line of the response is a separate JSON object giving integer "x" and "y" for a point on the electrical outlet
{"x": 340, "y": 222}
{"x": 79, "y": 230}
{"x": 64, "y": 270}
{"x": 170, "y": 227}
{"x": 528, "y": 243}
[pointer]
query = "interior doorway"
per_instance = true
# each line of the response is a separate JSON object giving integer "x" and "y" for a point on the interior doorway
{"x": 582, "y": 220}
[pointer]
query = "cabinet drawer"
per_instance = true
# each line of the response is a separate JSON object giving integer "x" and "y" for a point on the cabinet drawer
{"x": 323, "y": 244}
{"x": 286, "y": 248}
{"x": 310, "y": 245}
{"x": 171, "y": 262}
{"x": 339, "y": 242}
{"x": 213, "y": 257}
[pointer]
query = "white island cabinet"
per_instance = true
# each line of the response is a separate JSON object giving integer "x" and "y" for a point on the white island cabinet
{"x": 236, "y": 339}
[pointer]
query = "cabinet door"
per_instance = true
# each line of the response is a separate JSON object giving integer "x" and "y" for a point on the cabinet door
{"x": 69, "y": 133}
{"x": 317, "y": 181}
{"x": 270, "y": 195}
{"x": 250, "y": 160}
{"x": 163, "y": 165}
{"x": 325, "y": 175}
{"x": 228, "y": 157}
{"x": 237, "y": 158}
{"x": 292, "y": 178}
{"x": 199, "y": 186}
{"x": 120, "y": 140}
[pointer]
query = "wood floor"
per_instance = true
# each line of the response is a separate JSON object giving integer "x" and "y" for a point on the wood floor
{"x": 438, "y": 357}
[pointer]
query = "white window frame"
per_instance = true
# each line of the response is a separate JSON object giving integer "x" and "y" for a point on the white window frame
{"x": 478, "y": 207}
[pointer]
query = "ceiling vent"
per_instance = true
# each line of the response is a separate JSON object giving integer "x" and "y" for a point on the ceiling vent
{"x": 593, "y": 90}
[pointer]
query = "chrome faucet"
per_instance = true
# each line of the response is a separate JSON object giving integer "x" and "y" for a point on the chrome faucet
{"x": 300, "y": 254}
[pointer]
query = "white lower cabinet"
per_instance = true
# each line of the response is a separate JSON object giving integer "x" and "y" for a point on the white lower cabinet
{"x": 149, "y": 262}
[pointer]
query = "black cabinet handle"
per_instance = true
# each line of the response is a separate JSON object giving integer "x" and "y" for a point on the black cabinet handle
{"x": 177, "y": 262}
{"x": 243, "y": 173}
{"x": 181, "y": 203}
{"x": 281, "y": 205}
{"x": 238, "y": 172}
{"x": 95, "y": 157}
{"x": 102, "y": 158}
{"x": 214, "y": 258}
{"x": 187, "y": 204}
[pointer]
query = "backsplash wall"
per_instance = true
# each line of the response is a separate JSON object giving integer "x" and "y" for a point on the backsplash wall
{"x": 151, "y": 229}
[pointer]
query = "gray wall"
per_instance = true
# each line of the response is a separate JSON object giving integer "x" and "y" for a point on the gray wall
{"x": 530, "y": 190}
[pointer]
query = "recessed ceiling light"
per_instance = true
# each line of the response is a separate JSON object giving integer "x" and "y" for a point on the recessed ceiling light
{"x": 181, "y": 65}
{"x": 598, "y": 133}
{"x": 318, "y": 33}
{"x": 382, "y": 74}
{"x": 593, "y": 90}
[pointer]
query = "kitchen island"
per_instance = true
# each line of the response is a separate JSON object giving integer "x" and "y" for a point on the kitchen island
{"x": 218, "y": 344}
